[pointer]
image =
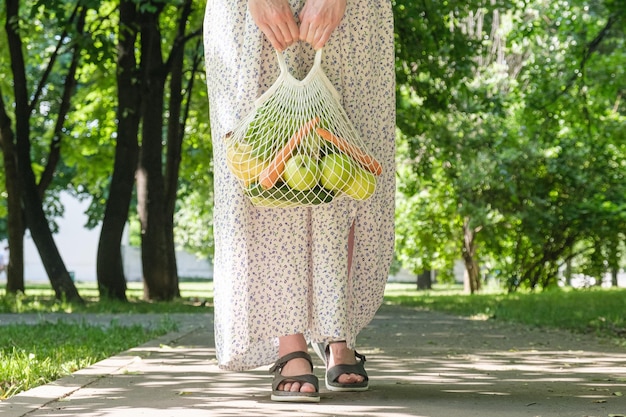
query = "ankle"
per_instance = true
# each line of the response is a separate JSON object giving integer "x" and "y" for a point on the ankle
{"x": 291, "y": 343}
{"x": 340, "y": 353}
{"x": 297, "y": 366}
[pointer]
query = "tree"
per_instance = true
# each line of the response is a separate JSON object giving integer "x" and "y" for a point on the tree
{"x": 23, "y": 176}
{"x": 15, "y": 229}
{"x": 105, "y": 126}
{"x": 565, "y": 195}
{"x": 517, "y": 144}
{"x": 109, "y": 264}
{"x": 440, "y": 96}
{"x": 147, "y": 101}
{"x": 157, "y": 188}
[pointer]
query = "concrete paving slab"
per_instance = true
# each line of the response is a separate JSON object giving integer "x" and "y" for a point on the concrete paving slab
{"x": 421, "y": 364}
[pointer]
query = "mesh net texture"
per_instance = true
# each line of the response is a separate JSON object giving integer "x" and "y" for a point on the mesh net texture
{"x": 298, "y": 148}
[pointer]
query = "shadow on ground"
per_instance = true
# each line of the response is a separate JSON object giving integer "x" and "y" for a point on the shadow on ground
{"x": 420, "y": 364}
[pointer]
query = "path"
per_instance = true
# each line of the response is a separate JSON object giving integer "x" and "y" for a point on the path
{"x": 420, "y": 363}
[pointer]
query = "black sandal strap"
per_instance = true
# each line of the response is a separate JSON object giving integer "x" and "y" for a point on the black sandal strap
{"x": 282, "y": 361}
{"x": 306, "y": 378}
{"x": 359, "y": 369}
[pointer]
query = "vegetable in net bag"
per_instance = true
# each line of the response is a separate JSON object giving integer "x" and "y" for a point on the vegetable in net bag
{"x": 298, "y": 148}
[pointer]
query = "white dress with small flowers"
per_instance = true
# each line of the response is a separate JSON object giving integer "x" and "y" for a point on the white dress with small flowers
{"x": 285, "y": 271}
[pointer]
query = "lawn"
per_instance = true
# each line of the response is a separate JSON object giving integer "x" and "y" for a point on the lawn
{"x": 33, "y": 355}
{"x": 196, "y": 297}
{"x": 594, "y": 310}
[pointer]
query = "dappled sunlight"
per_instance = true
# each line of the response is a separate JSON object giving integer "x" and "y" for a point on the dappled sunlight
{"x": 476, "y": 392}
{"x": 421, "y": 364}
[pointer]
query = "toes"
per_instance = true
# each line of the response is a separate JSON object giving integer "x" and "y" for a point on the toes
{"x": 350, "y": 379}
{"x": 307, "y": 388}
{"x": 296, "y": 387}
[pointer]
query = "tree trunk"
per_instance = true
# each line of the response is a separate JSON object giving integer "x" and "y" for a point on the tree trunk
{"x": 175, "y": 131}
{"x": 109, "y": 264}
{"x": 471, "y": 277}
{"x": 613, "y": 259}
{"x": 155, "y": 256}
{"x": 472, "y": 272}
{"x": 34, "y": 215}
{"x": 15, "y": 223}
{"x": 424, "y": 281}
{"x": 568, "y": 273}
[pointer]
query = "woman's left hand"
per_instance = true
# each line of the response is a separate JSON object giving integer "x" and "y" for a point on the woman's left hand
{"x": 318, "y": 20}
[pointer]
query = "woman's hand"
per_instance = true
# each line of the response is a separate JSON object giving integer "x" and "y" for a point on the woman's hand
{"x": 318, "y": 20}
{"x": 276, "y": 20}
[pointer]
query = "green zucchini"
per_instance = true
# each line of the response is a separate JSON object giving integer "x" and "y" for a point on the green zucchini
{"x": 283, "y": 196}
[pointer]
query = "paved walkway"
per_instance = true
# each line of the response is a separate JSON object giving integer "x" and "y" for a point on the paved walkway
{"x": 420, "y": 363}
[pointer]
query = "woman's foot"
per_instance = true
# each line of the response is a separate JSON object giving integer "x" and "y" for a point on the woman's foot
{"x": 341, "y": 355}
{"x": 296, "y": 366}
{"x": 294, "y": 388}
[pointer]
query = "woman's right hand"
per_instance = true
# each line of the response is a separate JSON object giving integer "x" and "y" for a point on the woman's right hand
{"x": 276, "y": 20}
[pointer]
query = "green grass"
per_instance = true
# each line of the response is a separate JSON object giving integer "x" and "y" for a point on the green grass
{"x": 594, "y": 310}
{"x": 597, "y": 310}
{"x": 196, "y": 297}
{"x": 33, "y": 355}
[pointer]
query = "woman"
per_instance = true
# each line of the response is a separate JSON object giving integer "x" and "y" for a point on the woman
{"x": 287, "y": 276}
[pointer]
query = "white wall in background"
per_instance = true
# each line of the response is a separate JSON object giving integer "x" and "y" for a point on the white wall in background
{"x": 79, "y": 246}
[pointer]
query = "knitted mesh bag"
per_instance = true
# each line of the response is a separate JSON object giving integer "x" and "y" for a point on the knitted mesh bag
{"x": 297, "y": 148}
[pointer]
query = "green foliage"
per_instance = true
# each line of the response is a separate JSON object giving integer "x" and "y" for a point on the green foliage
{"x": 89, "y": 133}
{"x": 524, "y": 141}
{"x": 194, "y": 213}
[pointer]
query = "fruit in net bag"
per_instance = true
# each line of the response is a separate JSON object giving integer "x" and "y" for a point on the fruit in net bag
{"x": 362, "y": 184}
{"x": 301, "y": 172}
{"x": 245, "y": 166}
{"x": 301, "y": 147}
{"x": 337, "y": 170}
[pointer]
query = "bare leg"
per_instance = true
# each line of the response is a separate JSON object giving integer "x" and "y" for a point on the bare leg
{"x": 297, "y": 366}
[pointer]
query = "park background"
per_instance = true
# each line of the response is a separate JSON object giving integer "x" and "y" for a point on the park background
{"x": 511, "y": 147}
{"x": 82, "y": 266}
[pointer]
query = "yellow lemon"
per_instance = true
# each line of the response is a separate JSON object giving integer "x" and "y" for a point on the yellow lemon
{"x": 243, "y": 164}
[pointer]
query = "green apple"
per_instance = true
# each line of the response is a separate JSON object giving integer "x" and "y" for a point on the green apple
{"x": 362, "y": 185}
{"x": 301, "y": 172}
{"x": 337, "y": 170}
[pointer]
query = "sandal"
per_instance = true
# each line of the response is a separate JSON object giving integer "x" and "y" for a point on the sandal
{"x": 336, "y": 371}
{"x": 288, "y": 396}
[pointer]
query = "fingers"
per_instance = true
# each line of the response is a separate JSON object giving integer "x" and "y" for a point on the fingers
{"x": 280, "y": 36}
{"x": 276, "y": 20}
{"x": 319, "y": 19}
{"x": 315, "y": 36}
{"x": 289, "y": 31}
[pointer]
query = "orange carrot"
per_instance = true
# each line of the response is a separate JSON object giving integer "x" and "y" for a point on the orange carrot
{"x": 368, "y": 162}
{"x": 271, "y": 174}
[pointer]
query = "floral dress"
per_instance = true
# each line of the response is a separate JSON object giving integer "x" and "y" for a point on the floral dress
{"x": 282, "y": 271}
